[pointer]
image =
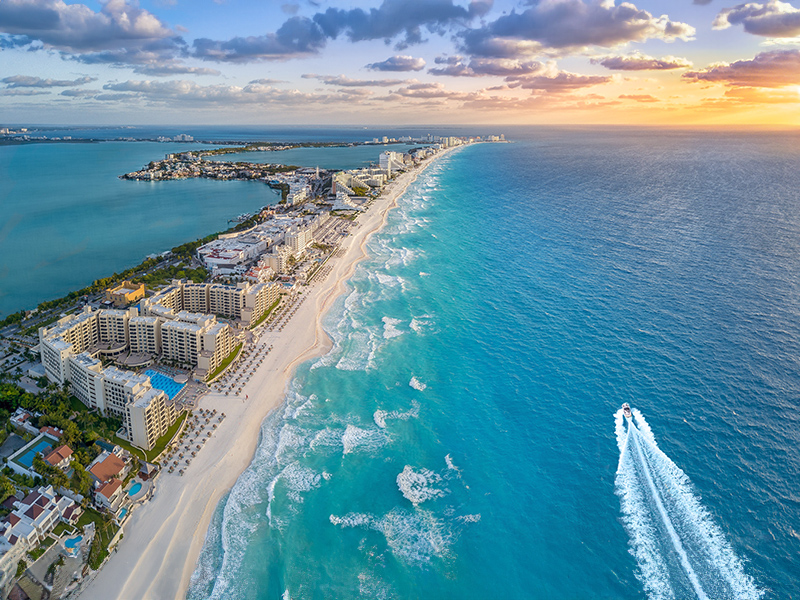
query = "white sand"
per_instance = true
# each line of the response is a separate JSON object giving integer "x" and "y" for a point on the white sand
{"x": 163, "y": 538}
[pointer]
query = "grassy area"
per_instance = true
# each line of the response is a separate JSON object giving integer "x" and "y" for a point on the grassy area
{"x": 62, "y": 528}
{"x": 105, "y": 529}
{"x": 164, "y": 440}
{"x": 266, "y": 314}
{"x": 77, "y": 405}
{"x": 224, "y": 364}
{"x": 137, "y": 452}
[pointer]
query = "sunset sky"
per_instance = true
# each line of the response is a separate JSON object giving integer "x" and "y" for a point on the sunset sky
{"x": 400, "y": 61}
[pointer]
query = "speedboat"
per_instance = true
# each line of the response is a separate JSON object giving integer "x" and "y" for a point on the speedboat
{"x": 626, "y": 410}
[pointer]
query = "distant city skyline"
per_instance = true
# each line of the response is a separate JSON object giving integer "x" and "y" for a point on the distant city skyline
{"x": 400, "y": 62}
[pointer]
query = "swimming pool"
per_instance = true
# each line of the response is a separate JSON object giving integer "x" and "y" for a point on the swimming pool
{"x": 122, "y": 514}
{"x": 73, "y": 542}
{"x": 26, "y": 460}
{"x": 162, "y": 382}
{"x": 135, "y": 489}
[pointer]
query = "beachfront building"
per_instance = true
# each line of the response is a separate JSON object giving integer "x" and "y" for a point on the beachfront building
{"x": 278, "y": 259}
{"x": 150, "y": 416}
{"x": 109, "y": 495}
{"x": 245, "y": 303}
{"x": 298, "y": 238}
{"x": 125, "y": 294}
{"x": 391, "y": 162}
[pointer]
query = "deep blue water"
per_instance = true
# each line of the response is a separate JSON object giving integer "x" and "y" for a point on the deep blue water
{"x": 460, "y": 440}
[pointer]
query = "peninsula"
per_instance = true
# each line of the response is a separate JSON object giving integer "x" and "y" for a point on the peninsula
{"x": 185, "y": 374}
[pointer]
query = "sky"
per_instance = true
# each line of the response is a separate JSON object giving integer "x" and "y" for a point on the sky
{"x": 372, "y": 62}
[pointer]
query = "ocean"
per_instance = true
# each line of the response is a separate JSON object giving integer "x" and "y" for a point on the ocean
{"x": 463, "y": 437}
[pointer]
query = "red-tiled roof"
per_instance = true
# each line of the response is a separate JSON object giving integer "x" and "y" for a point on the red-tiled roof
{"x": 31, "y": 498}
{"x": 108, "y": 468}
{"x": 13, "y": 539}
{"x": 59, "y": 454}
{"x": 34, "y": 511}
{"x": 13, "y": 519}
{"x": 51, "y": 431}
{"x": 108, "y": 488}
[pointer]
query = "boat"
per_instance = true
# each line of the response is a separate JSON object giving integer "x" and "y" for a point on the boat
{"x": 626, "y": 410}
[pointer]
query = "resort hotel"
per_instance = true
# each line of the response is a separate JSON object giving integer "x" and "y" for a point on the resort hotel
{"x": 179, "y": 324}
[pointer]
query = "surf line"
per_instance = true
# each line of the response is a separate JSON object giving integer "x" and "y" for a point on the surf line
{"x": 676, "y": 542}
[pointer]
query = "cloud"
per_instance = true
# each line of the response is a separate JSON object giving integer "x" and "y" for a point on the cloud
{"x": 21, "y": 92}
{"x": 26, "y": 81}
{"x": 562, "y": 81}
{"x": 191, "y": 95}
{"x": 774, "y": 69}
{"x": 171, "y": 69}
{"x": 298, "y": 36}
{"x": 639, "y": 97}
{"x": 455, "y": 66}
{"x": 570, "y": 25}
{"x": 397, "y": 17}
{"x": 77, "y": 28}
{"x": 398, "y": 63}
{"x": 79, "y": 93}
{"x": 428, "y": 91}
{"x": 771, "y": 19}
{"x": 641, "y": 62}
{"x": 267, "y": 81}
{"x": 342, "y": 80}
{"x": 290, "y": 8}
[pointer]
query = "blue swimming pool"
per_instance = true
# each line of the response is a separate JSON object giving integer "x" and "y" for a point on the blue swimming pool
{"x": 162, "y": 382}
{"x": 135, "y": 489}
{"x": 26, "y": 460}
{"x": 122, "y": 514}
{"x": 73, "y": 542}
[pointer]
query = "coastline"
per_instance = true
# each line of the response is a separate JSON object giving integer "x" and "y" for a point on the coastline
{"x": 164, "y": 538}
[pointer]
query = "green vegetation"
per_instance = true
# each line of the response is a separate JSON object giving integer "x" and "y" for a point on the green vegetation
{"x": 21, "y": 567}
{"x": 63, "y": 528}
{"x": 6, "y": 488}
{"x": 224, "y": 364}
{"x": 38, "y": 552}
{"x": 167, "y": 274}
{"x": 266, "y": 314}
{"x": 81, "y": 428}
{"x": 105, "y": 529}
{"x": 360, "y": 191}
{"x": 16, "y": 317}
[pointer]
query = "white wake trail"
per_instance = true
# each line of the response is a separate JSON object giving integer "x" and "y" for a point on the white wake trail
{"x": 681, "y": 553}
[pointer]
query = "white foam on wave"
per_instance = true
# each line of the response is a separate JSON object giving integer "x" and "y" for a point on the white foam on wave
{"x": 356, "y": 438}
{"x": 679, "y": 549}
{"x": 390, "y": 329}
{"x": 381, "y": 416}
{"x": 418, "y": 486}
{"x": 299, "y": 478}
{"x": 413, "y": 537}
{"x": 469, "y": 518}
{"x": 417, "y": 384}
{"x": 422, "y": 324}
{"x": 450, "y": 465}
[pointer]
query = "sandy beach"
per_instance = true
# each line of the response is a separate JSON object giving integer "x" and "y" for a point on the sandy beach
{"x": 163, "y": 538}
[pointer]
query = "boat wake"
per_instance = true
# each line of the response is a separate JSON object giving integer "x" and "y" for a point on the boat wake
{"x": 680, "y": 551}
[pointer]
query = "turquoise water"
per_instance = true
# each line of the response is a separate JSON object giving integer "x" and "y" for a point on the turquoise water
{"x": 346, "y": 157}
{"x": 67, "y": 219}
{"x": 27, "y": 459}
{"x": 73, "y": 542}
{"x": 161, "y": 382}
{"x": 135, "y": 489}
{"x": 122, "y": 514}
{"x": 463, "y": 440}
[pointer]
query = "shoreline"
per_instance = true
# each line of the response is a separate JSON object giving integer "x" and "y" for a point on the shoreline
{"x": 165, "y": 536}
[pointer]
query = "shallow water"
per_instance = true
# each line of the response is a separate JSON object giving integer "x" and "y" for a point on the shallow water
{"x": 459, "y": 439}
